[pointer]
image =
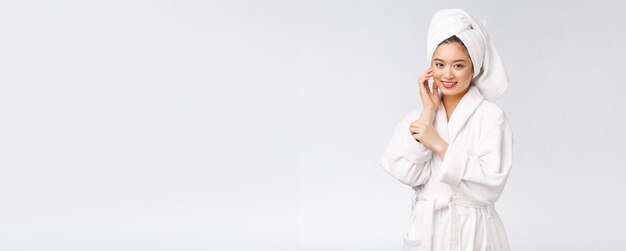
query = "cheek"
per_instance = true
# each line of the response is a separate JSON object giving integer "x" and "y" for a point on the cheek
{"x": 466, "y": 76}
{"x": 437, "y": 74}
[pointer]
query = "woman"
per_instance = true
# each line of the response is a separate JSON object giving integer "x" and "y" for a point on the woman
{"x": 456, "y": 151}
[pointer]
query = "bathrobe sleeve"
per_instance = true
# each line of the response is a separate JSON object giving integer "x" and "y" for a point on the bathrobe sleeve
{"x": 481, "y": 174}
{"x": 406, "y": 159}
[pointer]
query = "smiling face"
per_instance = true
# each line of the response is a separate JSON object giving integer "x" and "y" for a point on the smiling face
{"x": 452, "y": 69}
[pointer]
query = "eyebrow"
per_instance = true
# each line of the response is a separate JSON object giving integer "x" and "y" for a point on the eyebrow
{"x": 458, "y": 60}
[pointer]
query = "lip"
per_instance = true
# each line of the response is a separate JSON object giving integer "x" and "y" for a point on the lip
{"x": 448, "y": 85}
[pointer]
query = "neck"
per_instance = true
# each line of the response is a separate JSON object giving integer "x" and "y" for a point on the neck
{"x": 450, "y": 102}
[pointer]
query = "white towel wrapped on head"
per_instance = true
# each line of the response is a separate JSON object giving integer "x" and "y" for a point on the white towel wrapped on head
{"x": 489, "y": 73}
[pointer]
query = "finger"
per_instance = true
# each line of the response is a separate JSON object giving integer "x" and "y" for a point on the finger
{"x": 423, "y": 83}
{"x": 436, "y": 91}
{"x": 423, "y": 80}
{"x": 427, "y": 75}
{"x": 415, "y": 136}
{"x": 426, "y": 86}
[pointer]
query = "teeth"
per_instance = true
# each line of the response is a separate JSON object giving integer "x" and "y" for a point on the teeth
{"x": 449, "y": 84}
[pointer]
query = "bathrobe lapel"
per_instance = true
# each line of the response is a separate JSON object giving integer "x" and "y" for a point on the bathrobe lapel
{"x": 450, "y": 129}
{"x": 441, "y": 123}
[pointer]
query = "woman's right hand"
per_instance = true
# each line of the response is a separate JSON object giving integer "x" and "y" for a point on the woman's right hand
{"x": 430, "y": 100}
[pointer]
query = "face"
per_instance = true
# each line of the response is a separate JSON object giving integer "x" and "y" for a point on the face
{"x": 452, "y": 69}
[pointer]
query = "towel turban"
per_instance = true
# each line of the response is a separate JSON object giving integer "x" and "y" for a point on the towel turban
{"x": 489, "y": 73}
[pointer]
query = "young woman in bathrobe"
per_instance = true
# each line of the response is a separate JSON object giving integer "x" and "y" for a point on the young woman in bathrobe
{"x": 456, "y": 151}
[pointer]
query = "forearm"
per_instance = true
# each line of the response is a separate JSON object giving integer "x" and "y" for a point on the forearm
{"x": 428, "y": 115}
{"x": 441, "y": 148}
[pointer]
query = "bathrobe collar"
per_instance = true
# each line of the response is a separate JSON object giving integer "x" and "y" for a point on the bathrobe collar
{"x": 448, "y": 130}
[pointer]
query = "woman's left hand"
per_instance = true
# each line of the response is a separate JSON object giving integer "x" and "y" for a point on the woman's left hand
{"x": 429, "y": 137}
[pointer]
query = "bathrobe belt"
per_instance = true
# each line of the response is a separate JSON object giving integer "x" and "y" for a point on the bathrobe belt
{"x": 432, "y": 205}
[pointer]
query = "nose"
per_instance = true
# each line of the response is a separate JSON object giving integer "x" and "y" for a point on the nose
{"x": 448, "y": 73}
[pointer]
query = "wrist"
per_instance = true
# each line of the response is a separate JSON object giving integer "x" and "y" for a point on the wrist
{"x": 441, "y": 148}
{"x": 429, "y": 108}
{"x": 427, "y": 115}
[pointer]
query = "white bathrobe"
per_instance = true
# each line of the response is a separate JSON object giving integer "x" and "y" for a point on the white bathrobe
{"x": 453, "y": 205}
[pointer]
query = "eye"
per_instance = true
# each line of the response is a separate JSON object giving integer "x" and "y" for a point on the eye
{"x": 459, "y": 66}
{"x": 439, "y": 65}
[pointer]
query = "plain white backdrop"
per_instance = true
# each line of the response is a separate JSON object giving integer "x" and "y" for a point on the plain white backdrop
{"x": 241, "y": 125}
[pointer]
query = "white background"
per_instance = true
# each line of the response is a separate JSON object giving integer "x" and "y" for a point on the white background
{"x": 188, "y": 125}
